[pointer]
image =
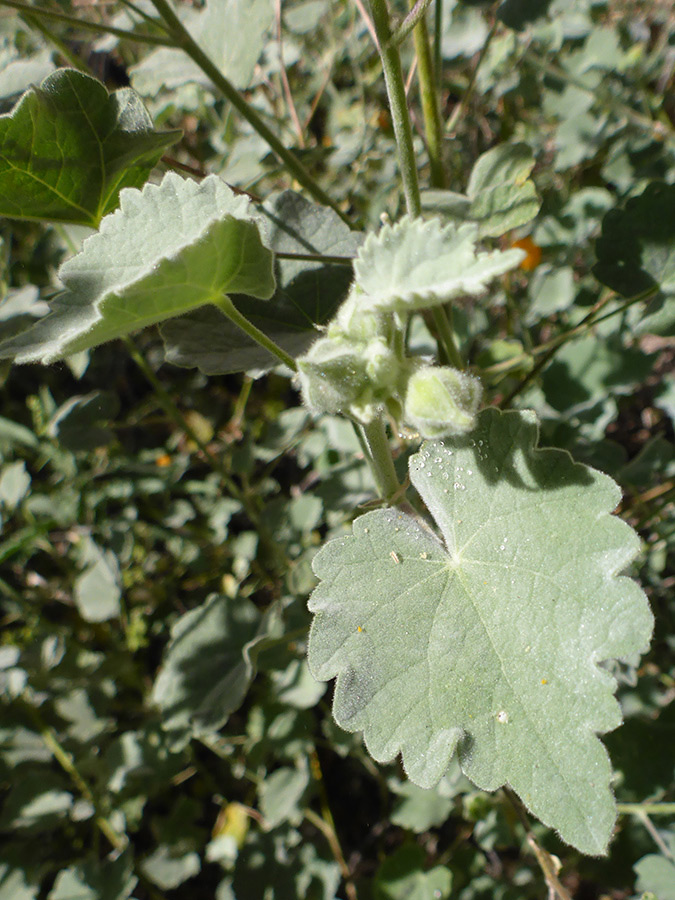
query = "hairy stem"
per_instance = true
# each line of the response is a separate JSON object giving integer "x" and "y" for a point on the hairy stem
{"x": 185, "y": 40}
{"x": 416, "y": 15}
{"x": 446, "y": 335}
{"x": 393, "y": 78}
{"x": 431, "y": 110}
{"x": 380, "y": 459}
{"x": 227, "y": 307}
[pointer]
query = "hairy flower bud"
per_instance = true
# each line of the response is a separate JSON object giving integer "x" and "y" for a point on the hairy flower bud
{"x": 441, "y": 401}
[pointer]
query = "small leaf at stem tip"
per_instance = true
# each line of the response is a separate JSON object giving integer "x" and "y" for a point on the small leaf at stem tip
{"x": 415, "y": 264}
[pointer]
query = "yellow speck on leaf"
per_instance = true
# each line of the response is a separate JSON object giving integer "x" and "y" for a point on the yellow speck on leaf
{"x": 163, "y": 461}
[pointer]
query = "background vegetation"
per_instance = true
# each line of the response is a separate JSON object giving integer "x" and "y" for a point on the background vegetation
{"x": 140, "y": 753}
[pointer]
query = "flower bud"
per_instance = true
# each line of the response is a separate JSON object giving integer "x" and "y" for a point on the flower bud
{"x": 441, "y": 401}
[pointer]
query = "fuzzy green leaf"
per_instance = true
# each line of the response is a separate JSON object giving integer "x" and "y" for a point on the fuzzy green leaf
{"x": 68, "y": 148}
{"x": 415, "y": 264}
{"x": 489, "y": 641}
{"x": 499, "y": 195}
{"x": 170, "y": 248}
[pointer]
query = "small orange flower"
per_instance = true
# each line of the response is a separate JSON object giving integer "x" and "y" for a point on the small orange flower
{"x": 163, "y": 461}
{"x": 533, "y": 252}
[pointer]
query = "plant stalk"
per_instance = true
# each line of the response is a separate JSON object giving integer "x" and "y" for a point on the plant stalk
{"x": 431, "y": 110}
{"x": 83, "y": 24}
{"x": 398, "y": 105}
{"x": 185, "y": 40}
{"x": 380, "y": 459}
{"x": 416, "y": 15}
{"x": 227, "y": 307}
{"x": 446, "y": 335}
{"x": 438, "y": 43}
{"x": 65, "y": 760}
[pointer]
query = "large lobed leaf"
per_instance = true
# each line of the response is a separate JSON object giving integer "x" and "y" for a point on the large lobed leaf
{"x": 490, "y": 641}
{"x": 169, "y": 249}
{"x": 68, "y": 148}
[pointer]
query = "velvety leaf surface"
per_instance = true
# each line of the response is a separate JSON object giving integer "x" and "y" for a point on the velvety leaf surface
{"x": 168, "y": 249}
{"x": 488, "y": 641}
{"x": 416, "y": 264}
{"x": 307, "y": 293}
{"x": 68, "y": 148}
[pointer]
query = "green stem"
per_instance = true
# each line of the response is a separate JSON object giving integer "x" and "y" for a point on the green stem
{"x": 646, "y": 809}
{"x": 83, "y": 24}
{"x": 185, "y": 40}
{"x": 438, "y": 42}
{"x": 416, "y": 15}
{"x": 431, "y": 110}
{"x": 550, "y": 348}
{"x": 380, "y": 459}
{"x": 66, "y": 52}
{"x": 446, "y": 335}
{"x": 317, "y": 257}
{"x": 227, "y": 307}
{"x": 393, "y": 79}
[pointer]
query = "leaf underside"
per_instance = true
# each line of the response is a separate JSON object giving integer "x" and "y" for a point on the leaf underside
{"x": 489, "y": 641}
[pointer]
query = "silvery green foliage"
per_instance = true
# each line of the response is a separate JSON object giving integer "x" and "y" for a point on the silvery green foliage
{"x": 360, "y": 369}
{"x": 416, "y": 264}
{"x": 487, "y": 641}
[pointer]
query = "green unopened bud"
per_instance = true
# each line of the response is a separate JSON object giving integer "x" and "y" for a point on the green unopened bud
{"x": 441, "y": 401}
{"x": 332, "y": 376}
